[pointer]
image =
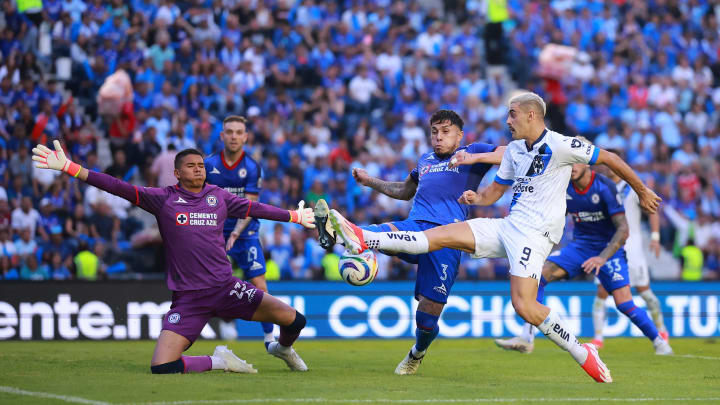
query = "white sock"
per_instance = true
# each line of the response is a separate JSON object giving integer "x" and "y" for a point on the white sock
{"x": 598, "y": 317}
{"x": 653, "y": 306}
{"x": 528, "y": 332}
{"x": 269, "y": 337}
{"x": 397, "y": 242}
{"x": 555, "y": 329}
{"x": 658, "y": 341}
{"x": 416, "y": 353}
{"x": 217, "y": 363}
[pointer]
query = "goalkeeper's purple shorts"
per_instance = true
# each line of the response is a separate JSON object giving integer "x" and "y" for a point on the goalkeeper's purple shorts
{"x": 191, "y": 310}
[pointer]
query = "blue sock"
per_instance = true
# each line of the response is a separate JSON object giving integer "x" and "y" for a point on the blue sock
{"x": 377, "y": 228}
{"x": 640, "y": 318}
{"x": 541, "y": 290}
{"x": 267, "y": 327}
{"x": 427, "y": 330}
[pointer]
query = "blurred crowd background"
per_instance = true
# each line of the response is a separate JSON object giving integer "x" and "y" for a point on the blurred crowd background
{"x": 332, "y": 85}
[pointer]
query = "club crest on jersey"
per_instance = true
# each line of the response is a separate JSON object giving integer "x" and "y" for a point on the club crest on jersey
{"x": 181, "y": 218}
{"x": 424, "y": 170}
{"x": 211, "y": 200}
{"x": 174, "y": 318}
{"x": 242, "y": 173}
{"x": 595, "y": 198}
{"x": 537, "y": 165}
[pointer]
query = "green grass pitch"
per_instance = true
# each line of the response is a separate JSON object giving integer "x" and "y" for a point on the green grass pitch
{"x": 361, "y": 371}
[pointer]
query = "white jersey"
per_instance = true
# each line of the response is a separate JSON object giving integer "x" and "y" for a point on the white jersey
{"x": 539, "y": 176}
{"x": 633, "y": 244}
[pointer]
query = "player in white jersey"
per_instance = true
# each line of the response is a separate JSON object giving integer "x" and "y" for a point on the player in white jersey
{"x": 637, "y": 263}
{"x": 538, "y": 165}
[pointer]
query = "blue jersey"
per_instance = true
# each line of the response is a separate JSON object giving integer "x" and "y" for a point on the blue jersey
{"x": 438, "y": 190}
{"x": 592, "y": 209}
{"x": 239, "y": 179}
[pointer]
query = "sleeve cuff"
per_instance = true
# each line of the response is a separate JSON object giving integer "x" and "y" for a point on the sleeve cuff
{"x": 502, "y": 181}
{"x": 594, "y": 157}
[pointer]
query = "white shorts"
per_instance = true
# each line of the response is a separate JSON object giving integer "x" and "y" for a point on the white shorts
{"x": 526, "y": 250}
{"x": 639, "y": 275}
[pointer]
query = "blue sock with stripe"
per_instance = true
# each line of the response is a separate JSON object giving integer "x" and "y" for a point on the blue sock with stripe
{"x": 267, "y": 327}
{"x": 640, "y": 318}
{"x": 541, "y": 290}
{"x": 427, "y": 330}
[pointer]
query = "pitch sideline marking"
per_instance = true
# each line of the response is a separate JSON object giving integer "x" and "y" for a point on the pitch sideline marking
{"x": 37, "y": 394}
{"x": 80, "y": 400}
{"x": 693, "y": 356}
{"x": 412, "y": 401}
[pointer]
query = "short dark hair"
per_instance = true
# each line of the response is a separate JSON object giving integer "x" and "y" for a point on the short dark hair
{"x": 179, "y": 157}
{"x": 447, "y": 115}
{"x": 234, "y": 118}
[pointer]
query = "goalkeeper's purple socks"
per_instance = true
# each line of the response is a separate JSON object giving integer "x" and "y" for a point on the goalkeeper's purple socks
{"x": 197, "y": 364}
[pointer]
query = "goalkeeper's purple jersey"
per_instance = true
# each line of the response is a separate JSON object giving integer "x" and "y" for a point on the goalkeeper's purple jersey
{"x": 191, "y": 226}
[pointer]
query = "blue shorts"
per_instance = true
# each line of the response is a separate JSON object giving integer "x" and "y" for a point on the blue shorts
{"x": 436, "y": 270}
{"x": 613, "y": 275}
{"x": 247, "y": 253}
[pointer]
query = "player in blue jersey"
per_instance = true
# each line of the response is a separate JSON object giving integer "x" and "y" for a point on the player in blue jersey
{"x": 598, "y": 238}
{"x": 436, "y": 186}
{"x": 240, "y": 175}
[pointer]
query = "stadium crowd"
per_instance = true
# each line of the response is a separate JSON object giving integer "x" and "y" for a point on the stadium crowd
{"x": 328, "y": 86}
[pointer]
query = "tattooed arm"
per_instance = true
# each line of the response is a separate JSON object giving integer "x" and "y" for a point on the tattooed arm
{"x": 617, "y": 241}
{"x": 399, "y": 190}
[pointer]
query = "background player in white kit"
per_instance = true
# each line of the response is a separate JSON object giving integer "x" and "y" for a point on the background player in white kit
{"x": 637, "y": 264}
{"x": 538, "y": 165}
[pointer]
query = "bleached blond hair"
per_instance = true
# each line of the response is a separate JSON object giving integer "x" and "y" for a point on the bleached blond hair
{"x": 530, "y": 100}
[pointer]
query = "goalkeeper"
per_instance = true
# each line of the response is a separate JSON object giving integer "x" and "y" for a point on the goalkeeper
{"x": 190, "y": 216}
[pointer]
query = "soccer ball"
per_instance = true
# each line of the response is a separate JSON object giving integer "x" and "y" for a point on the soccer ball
{"x": 358, "y": 269}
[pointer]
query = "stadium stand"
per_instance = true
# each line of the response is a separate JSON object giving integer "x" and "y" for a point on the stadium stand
{"x": 328, "y": 86}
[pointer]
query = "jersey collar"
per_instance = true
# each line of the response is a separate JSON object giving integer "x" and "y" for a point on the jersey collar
{"x": 540, "y": 138}
{"x": 586, "y": 189}
{"x": 237, "y": 162}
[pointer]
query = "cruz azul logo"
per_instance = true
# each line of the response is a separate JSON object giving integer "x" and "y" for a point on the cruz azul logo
{"x": 174, "y": 318}
{"x": 181, "y": 218}
{"x": 211, "y": 200}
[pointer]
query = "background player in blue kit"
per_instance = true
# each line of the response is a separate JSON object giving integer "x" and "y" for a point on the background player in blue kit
{"x": 436, "y": 186}
{"x": 239, "y": 174}
{"x": 598, "y": 238}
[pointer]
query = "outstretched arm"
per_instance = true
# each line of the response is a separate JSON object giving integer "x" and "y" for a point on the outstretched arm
{"x": 486, "y": 196}
{"x": 464, "y": 158}
{"x": 618, "y": 240}
{"x": 649, "y": 201}
{"x": 399, "y": 190}
{"x": 239, "y": 207}
{"x": 56, "y": 160}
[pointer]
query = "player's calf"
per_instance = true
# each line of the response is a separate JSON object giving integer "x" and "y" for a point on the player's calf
{"x": 222, "y": 359}
{"x": 267, "y": 327}
{"x": 283, "y": 347}
{"x": 640, "y": 318}
{"x": 655, "y": 309}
